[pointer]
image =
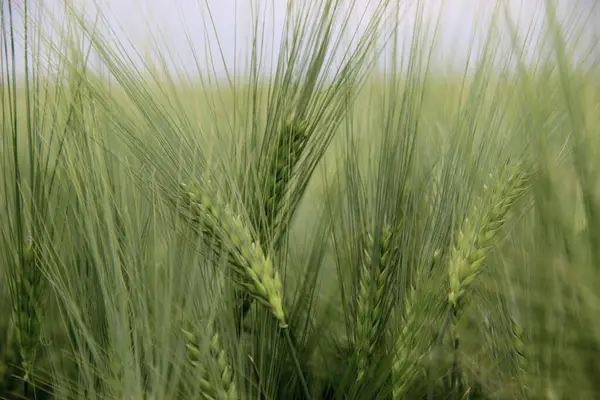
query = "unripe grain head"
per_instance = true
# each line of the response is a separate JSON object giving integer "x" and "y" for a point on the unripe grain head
{"x": 254, "y": 270}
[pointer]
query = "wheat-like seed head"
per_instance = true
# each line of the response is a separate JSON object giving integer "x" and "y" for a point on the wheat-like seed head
{"x": 371, "y": 295}
{"x": 519, "y": 345}
{"x": 213, "y": 241}
{"x": 403, "y": 369}
{"x": 200, "y": 225}
{"x": 225, "y": 388}
{"x": 473, "y": 243}
{"x": 475, "y": 240}
{"x": 25, "y": 310}
{"x": 288, "y": 149}
{"x": 254, "y": 271}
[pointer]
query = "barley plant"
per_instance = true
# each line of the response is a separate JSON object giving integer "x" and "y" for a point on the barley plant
{"x": 321, "y": 200}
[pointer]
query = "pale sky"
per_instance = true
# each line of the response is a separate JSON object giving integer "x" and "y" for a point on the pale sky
{"x": 172, "y": 22}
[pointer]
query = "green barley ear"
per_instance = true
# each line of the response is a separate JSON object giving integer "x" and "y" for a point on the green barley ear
{"x": 286, "y": 154}
{"x": 407, "y": 365}
{"x": 225, "y": 387}
{"x": 200, "y": 225}
{"x": 289, "y": 144}
{"x": 519, "y": 347}
{"x": 476, "y": 240}
{"x": 254, "y": 271}
{"x": 404, "y": 370}
{"x": 373, "y": 281}
{"x": 25, "y": 309}
{"x": 213, "y": 242}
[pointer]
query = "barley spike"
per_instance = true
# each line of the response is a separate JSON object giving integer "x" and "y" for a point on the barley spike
{"x": 25, "y": 309}
{"x": 225, "y": 388}
{"x": 370, "y": 300}
{"x": 473, "y": 244}
{"x": 287, "y": 152}
{"x": 254, "y": 271}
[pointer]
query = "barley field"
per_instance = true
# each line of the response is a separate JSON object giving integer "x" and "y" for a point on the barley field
{"x": 353, "y": 224}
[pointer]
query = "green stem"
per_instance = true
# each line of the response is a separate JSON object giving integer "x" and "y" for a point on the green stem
{"x": 288, "y": 339}
{"x": 456, "y": 384}
{"x": 439, "y": 340}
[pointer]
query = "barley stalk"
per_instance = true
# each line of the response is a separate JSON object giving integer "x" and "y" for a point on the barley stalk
{"x": 224, "y": 388}
{"x": 254, "y": 271}
{"x": 372, "y": 285}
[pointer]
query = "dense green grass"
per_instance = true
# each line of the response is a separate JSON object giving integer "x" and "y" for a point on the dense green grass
{"x": 113, "y": 277}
